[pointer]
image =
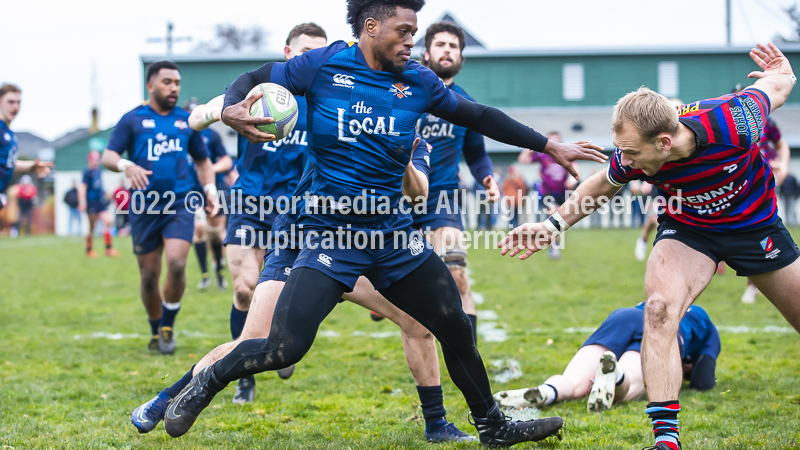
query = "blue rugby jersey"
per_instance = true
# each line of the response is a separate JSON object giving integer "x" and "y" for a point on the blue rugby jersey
{"x": 216, "y": 150}
{"x": 361, "y": 121}
{"x": 93, "y": 179}
{"x": 697, "y": 335}
{"x": 160, "y": 144}
{"x": 726, "y": 184}
{"x": 8, "y": 155}
{"x": 449, "y": 141}
{"x": 273, "y": 169}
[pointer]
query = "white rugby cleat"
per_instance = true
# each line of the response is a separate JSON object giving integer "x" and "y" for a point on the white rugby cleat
{"x": 602, "y": 395}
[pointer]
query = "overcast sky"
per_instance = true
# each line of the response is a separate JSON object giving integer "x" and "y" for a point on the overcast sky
{"x": 51, "y": 48}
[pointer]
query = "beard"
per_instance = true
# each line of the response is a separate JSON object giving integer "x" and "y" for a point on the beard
{"x": 391, "y": 66}
{"x": 164, "y": 102}
{"x": 446, "y": 72}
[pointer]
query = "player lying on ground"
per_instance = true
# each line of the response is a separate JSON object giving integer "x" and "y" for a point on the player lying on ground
{"x": 357, "y": 131}
{"x": 158, "y": 140}
{"x": 608, "y": 366}
{"x": 705, "y": 155}
{"x": 418, "y": 343}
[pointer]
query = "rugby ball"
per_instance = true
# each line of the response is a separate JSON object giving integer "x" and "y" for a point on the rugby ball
{"x": 278, "y": 103}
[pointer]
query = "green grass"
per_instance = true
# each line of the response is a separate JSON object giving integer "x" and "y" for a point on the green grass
{"x": 60, "y": 392}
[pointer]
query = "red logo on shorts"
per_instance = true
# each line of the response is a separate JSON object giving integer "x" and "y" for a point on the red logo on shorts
{"x": 766, "y": 244}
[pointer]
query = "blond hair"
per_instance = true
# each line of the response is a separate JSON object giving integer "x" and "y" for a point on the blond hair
{"x": 649, "y": 112}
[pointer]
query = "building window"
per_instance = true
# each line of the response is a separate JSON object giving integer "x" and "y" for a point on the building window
{"x": 668, "y": 79}
{"x": 573, "y": 81}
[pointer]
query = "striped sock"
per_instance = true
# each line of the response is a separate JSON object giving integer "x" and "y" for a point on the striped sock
{"x": 664, "y": 416}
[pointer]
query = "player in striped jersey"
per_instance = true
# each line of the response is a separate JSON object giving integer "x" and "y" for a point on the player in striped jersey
{"x": 705, "y": 161}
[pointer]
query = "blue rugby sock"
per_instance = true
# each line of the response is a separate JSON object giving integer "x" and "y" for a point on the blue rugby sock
{"x": 201, "y": 250}
{"x": 173, "y": 391}
{"x": 154, "y": 326}
{"x": 238, "y": 318}
{"x": 169, "y": 312}
{"x": 432, "y": 401}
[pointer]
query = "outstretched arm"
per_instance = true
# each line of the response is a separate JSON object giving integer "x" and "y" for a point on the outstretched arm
{"x": 493, "y": 123}
{"x": 204, "y": 115}
{"x": 776, "y": 78}
{"x": 41, "y": 168}
{"x": 532, "y": 237}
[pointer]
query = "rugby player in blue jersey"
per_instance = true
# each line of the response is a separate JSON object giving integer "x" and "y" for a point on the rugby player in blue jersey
{"x": 268, "y": 173}
{"x": 10, "y": 101}
{"x": 157, "y": 138}
{"x": 721, "y": 207}
{"x": 365, "y": 101}
{"x": 608, "y": 366}
{"x": 441, "y": 219}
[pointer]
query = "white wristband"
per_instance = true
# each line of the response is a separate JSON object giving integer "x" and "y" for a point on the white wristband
{"x": 551, "y": 228}
{"x": 123, "y": 164}
{"x": 563, "y": 223}
{"x": 208, "y": 117}
{"x": 210, "y": 189}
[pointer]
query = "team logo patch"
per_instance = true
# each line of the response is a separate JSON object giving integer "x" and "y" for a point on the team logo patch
{"x": 345, "y": 81}
{"x": 148, "y": 123}
{"x": 181, "y": 125}
{"x": 668, "y": 232}
{"x": 287, "y": 271}
{"x": 240, "y": 233}
{"x": 325, "y": 259}
{"x": 416, "y": 245}
{"x": 766, "y": 244}
{"x": 400, "y": 91}
{"x": 7, "y": 137}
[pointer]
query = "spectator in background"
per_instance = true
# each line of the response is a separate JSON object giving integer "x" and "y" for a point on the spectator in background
{"x": 122, "y": 221}
{"x": 514, "y": 190}
{"x": 790, "y": 191}
{"x": 483, "y": 209}
{"x": 26, "y": 195}
{"x": 71, "y": 199}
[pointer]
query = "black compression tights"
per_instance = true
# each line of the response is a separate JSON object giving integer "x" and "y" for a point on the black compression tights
{"x": 429, "y": 294}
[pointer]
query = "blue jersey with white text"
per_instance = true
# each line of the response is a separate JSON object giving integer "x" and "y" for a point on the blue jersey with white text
{"x": 93, "y": 179}
{"x": 8, "y": 155}
{"x": 273, "y": 169}
{"x": 361, "y": 122}
{"x": 448, "y": 142}
{"x": 160, "y": 144}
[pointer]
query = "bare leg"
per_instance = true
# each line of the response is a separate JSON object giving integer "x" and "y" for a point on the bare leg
{"x": 650, "y": 224}
{"x": 576, "y": 382}
{"x": 781, "y": 287}
{"x": 245, "y": 266}
{"x": 175, "y": 251}
{"x": 633, "y": 385}
{"x": 676, "y": 275}
{"x": 418, "y": 343}
{"x": 150, "y": 272}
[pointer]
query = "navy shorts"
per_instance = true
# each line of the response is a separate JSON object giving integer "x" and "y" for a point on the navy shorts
{"x": 96, "y": 206}
{"x": 282, "y": 253}
{"x": 152, "y": 224}
{"x": 750, "y": 252}
{"x": 383, "y": 248}
{"x": 620, "y": 332}
{"x": 443, "y": 209}
{"x": 246, "y": 226}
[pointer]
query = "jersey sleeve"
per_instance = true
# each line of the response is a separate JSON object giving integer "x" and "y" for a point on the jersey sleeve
{"x": 757, "y": 104}
{"x": 441, "y": 99}
{"x": 712, "y": 346}
{"x": 617, "y": 174}
{"x": 474, "y": 150}
{"x": 87, "y": 179}
{"x": 197, "y": 148}
{"x": 216, "y": 147}
{"x": 422, "y": 157}
{"x": 121, "y": 138}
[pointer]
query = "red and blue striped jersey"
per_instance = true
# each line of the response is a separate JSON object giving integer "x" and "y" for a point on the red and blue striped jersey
{"x": 726, "y": 184}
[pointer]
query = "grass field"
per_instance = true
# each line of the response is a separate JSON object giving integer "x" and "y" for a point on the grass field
{"x": 73, "y": 362}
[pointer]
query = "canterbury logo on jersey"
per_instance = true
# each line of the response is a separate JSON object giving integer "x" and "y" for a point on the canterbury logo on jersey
{"x": 366, "y": 125}
{"x": 296, "y": 137}
{"x": 166, "y": 145}
{"x": 345, "y": 81}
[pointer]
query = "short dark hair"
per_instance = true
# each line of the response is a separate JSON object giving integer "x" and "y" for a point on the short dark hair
{"x": 157, "y": 66}
{"x": 6, "y": 88}
{"x": 310, "y": 29}
{"x": 445, "y": 27}
{"x": 359, "y": 10}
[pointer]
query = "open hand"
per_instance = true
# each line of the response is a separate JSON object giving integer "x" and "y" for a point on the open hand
{"x": 528, "y": 237}
{"x": 565, "y": 154}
